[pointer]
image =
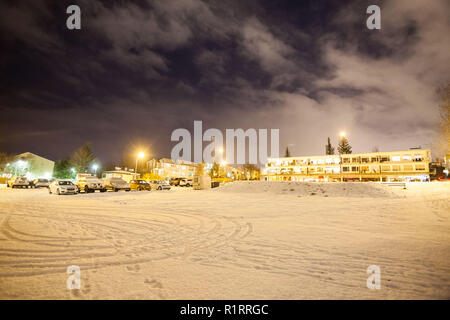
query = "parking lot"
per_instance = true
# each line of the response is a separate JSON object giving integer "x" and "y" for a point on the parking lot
{"x": 241, "y": 241}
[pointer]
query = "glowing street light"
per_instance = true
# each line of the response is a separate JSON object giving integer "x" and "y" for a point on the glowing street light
{"x": 140, "y": 155}
{"x": 95, "y": 167}
{"x": 342, "y": 134}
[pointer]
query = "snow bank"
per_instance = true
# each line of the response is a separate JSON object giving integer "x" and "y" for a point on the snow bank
{"x": 366, "y": 189}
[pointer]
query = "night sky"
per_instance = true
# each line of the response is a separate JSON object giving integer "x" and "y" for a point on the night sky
{"x": 137, "y": 70}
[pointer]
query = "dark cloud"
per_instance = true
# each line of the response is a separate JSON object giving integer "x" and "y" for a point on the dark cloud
{"x": 138, "y": 70}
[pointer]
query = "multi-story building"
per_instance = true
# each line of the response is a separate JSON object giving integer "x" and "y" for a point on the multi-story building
{"x": 168, "y": 168}
{"x": 31, "y": 166}
{"x": 410, "y": 165}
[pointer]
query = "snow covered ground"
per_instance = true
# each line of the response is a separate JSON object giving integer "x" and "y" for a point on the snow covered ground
{"x": 247, "y": 240}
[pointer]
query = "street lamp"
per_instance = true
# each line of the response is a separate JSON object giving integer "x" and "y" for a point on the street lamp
{"x": 342, "y": 134}
{"x": 95, "y": 167}
{"x": 139, "y": 156}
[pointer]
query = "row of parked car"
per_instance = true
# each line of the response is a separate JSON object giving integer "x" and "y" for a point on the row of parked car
{"x": 181, "y": 182}
{"x": 87, "y": 184}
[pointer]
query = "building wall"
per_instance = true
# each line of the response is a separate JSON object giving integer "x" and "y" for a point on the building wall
{"x": 35, "y": 166}
{"x": 125, "y": 175}
{"x": 376, "y": 166}
{"x": 167, "y": 168}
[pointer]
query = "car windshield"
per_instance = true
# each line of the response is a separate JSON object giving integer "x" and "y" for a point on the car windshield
{"x": 65, "y": 183}
{"x": 43, "y": 180}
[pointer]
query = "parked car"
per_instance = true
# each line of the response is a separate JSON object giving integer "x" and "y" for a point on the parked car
{"x": 18, "y": 182}
{"x": 140, "y": 185}
{"x": 159, "y": 185}
{"x": 186, "y": 183}
{"x": 175, "y": 181}
{"x": 39, "y": 183}
{"x": 116, "y": 184}
{"x": 90, "y": 184}
{"x": 62, "y": 187}
{"x": 215, "y": 184}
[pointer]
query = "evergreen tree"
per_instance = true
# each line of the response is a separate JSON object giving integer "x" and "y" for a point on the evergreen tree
{"x": 62, "y": 169}
{"x": 344, "y": 147}
{"x": 6, "y": 162}
{"x": 83, "y": 157}
{"x": 329, "y": 148}
{"x": 200, "y": 169}
{"x": 215, "y": 170}
{"x": 287, "y": 154}
{"x": 251, "y": 170}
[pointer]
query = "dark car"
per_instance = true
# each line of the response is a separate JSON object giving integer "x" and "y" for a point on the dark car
{"x": 140, "y": 185}
{"x": 39, "y": 183}
{"x": 175, "y": 181}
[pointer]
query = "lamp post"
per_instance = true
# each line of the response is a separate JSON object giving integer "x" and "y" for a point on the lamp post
{"x": 95, "y": 167}
{"x": 139, "y": 156}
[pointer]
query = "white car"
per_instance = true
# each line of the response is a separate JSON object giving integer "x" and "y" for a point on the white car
{"x": 159, "y": 185}
{"x": 116, "y": 184}
{"x": 62, "y": 187}
{"x": 90, "y": 184}
{"x": 186, "y": 183}
{"x": 18, "y": 182}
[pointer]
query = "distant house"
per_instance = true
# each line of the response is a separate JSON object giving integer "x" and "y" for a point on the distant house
{"x": 168, "y": 168}
{"x": 32, "y": 166}
{"x": 125, "y": 175}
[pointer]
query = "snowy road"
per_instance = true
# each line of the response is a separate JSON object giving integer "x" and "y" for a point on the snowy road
{"x": 242, "y": 241}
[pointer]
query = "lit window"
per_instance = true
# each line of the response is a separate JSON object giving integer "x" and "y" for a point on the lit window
{"x": 396, "y": 158}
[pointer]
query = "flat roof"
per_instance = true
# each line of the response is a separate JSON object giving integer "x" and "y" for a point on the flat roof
{"x": 354, "y": 154}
